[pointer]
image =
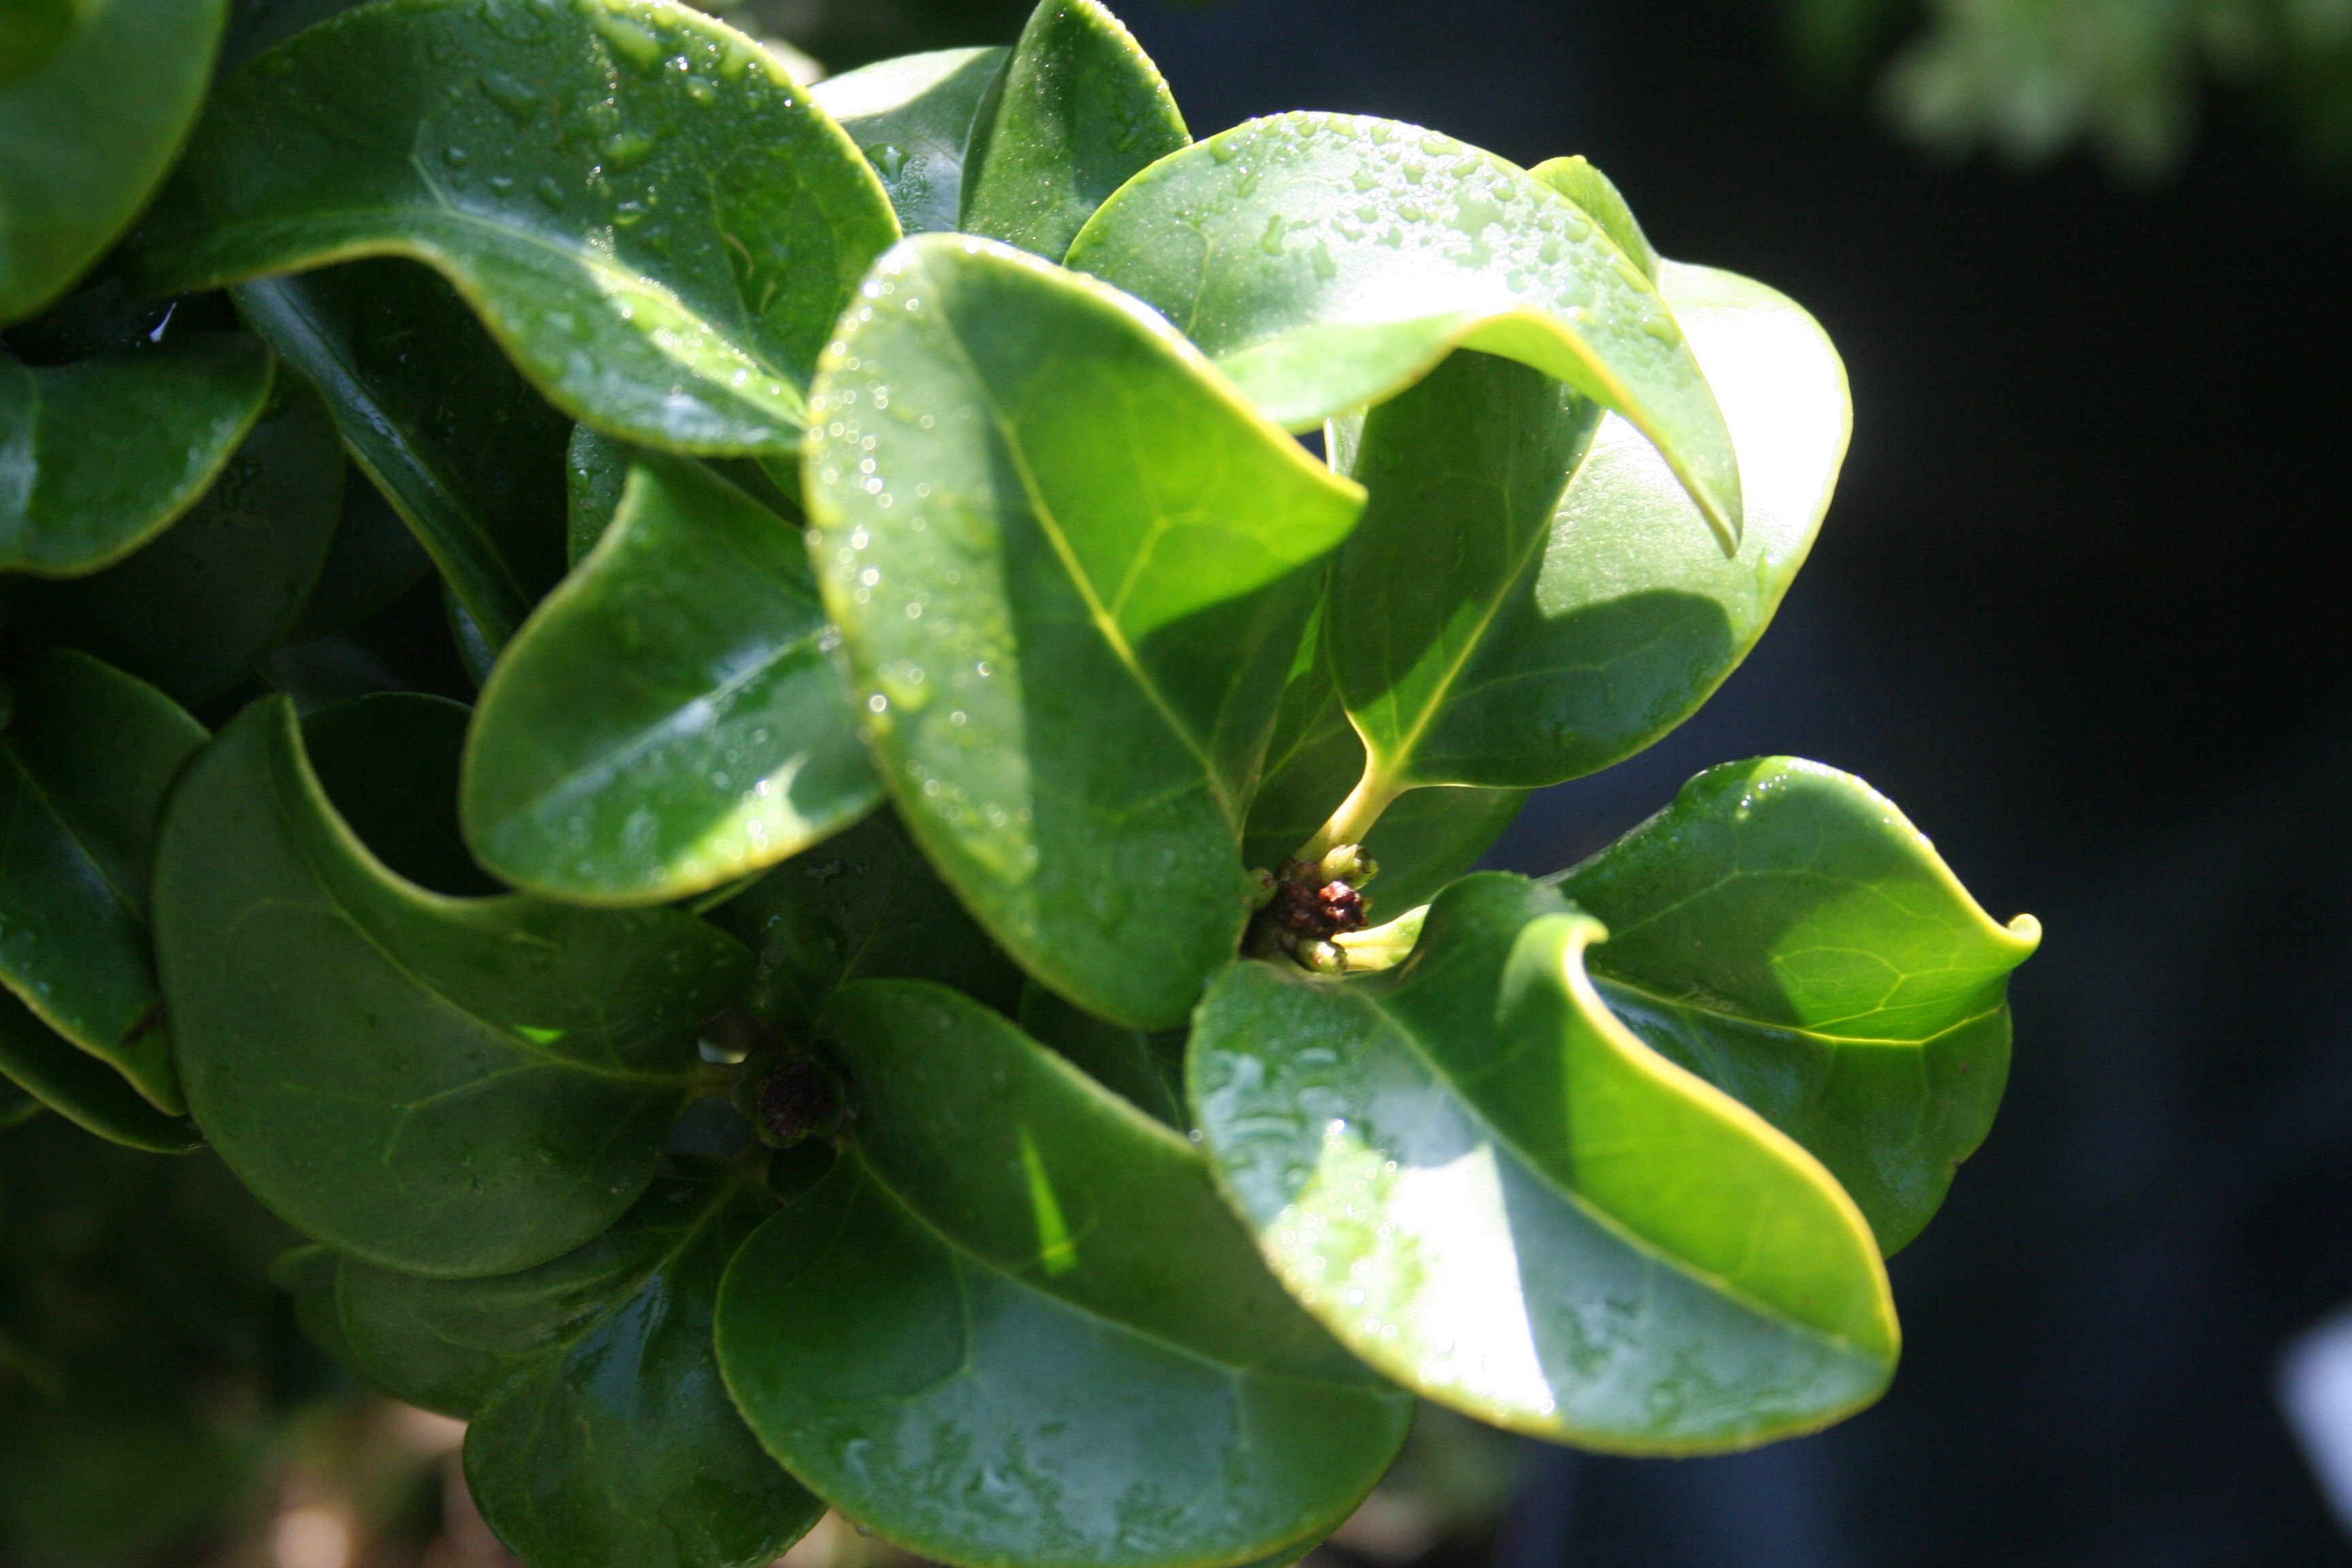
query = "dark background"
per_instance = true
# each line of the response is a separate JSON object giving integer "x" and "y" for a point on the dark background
{"x": 2077, "y": 609}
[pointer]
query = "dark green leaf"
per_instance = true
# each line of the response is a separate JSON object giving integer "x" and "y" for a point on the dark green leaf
{"x": 540, "y": 154}
{"x": 1144, "y": 1069}
{"x": 1598, "y": 195}
{"x": 88, "y": 131}
{"x": 1471, "y": 1173}
{"x": 308, "y": 1274}
{"x": 595, "y": 470}
{"x": 137, "y": 1301}
{"x": 374, "y": 560}
{"x": 17, "y": 1106}
{"x": 670, "y": 719}
{"x": 1781, "y": 931}
{"x": 444, "y": 1086}
{"x": 198, "y": 607}
{"x": 30, "y": 32}
{"x": 1070, "y": 567}
{"x": 1076, "y": 112}
{"x": 1015, "y": 1324}
{"x": 474, "y": 650}
{"x": 100, "y": 456}
{"x": 257, "y": 25}
{"x": 912, "y": 117}
{"x": 83, "y": 1089}
{"x": 1326, "y": 262}
{"x": 388, "y": 763}
{"x": 84, "y": 766}
{"x": 600, "y": 1431}
{"x": 865, "y": 904}
{"x": 469, "y": 455}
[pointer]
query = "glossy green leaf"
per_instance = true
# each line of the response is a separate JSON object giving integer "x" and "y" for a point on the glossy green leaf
{"x": 1147, "y": 1071}
{"x": 1014, "y": 1325}
{"x": 199, "y": 605}
{"x": 863, "y": 904}
{"x": 670, "y": 719}
{"x": 1078, "y": 111}
{"x": 98, "y": 456}
{"x": 1597, "y": 193}
{"x": 83, "y": 1089}
{"x": 388, "y": 763}
{"x": 84, "y": 766}
{"x": 912, "y": 117}
{"x": 443, "y": 1085}
{"x": 1327, "y": 262}
{"x": 88, "y": 131}
{"x": 1489, "y": 1188}
{"x": 599, "y": 1429}
{"x": 469, "y": 455}
{"x": 1549, "y": 643}
{"x": 539, "y": 154}
{"x": 1069, "y": 567}
{"x": 1782, "y": 932}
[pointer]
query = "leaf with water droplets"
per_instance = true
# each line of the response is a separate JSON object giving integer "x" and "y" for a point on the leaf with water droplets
{"x": 670, "y": 719}
{"x": 1078, "y": 111}
{"x": 598, "y": 1429}
{"x": 1471, "y": 1172}
{"x": 1070, "y": 567}
{"x": 912, "y": 117}
{"x": 85, "y": 763}
{"x": 1015, "y": 1324}
{"x": 90, "y": 121}
{"x": 1327, "y": 262}
{"x": 1566, "y": 630}
{"x": 198, "y": 606}
{"x": 1598, "y": 195}
{"x": 99, "y": 456}
{"x": 1782, "y": 932}
{"x": 443, "y": 1085}
{"x": 469, "y": 455}
{"x": 655, "y": 222}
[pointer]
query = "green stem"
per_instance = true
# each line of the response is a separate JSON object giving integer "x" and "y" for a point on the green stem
{"x": 1374, "y": 793}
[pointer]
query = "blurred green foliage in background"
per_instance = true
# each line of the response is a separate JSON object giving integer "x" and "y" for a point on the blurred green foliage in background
{"x": 2030, "y": 80}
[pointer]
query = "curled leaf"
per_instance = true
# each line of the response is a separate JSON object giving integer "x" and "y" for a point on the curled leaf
{"x": 1782, "y": 932}
{"x": 1477, "y": 1178}
{"x": 1327, "y": 262}
{"x": 442, "y": 1086}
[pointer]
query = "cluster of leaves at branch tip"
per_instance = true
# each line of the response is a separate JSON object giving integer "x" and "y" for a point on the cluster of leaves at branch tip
{"x": 858, "y": 986}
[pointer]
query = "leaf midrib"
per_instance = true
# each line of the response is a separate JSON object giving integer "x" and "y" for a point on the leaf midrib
{"x": 981, "y": 1261}
{"x": 1105, "y": 626}
{"x": 1805, "y": 1032}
